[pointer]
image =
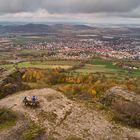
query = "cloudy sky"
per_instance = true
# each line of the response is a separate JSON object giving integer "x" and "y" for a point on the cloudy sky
{"x": 90, "y": 11}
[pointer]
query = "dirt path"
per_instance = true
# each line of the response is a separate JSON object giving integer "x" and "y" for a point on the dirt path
{"x": 62, "y": 117}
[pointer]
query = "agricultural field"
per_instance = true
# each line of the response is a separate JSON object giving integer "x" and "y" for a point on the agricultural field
{"x": 34, "y": 39}
{"x": 106, "y": 67}
{"x": 90, "y": 68}
{"x": 25, "y": 53}
{"x": 6, "y": 55}
{"x": 43, "y": 64}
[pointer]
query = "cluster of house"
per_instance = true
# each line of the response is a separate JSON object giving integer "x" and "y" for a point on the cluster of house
{"x": 125, "y": 66}
{"x": 77, "y": 48}
{"x": 83, "y": 48}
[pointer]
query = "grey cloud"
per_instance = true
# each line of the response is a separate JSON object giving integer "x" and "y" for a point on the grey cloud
{"x": 71, "y": 6}
{"x": 15, "y": 6}
{"x": 89, "y": 6}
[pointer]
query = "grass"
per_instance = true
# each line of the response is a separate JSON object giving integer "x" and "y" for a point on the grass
{"x": 50, "y": 116}
{"x": 106, "y": 67}
{"x": 98, "y": 65}
{"x": 107, "y": 64}
{"x": 62, "y": 62}
{"x": 135, "y": 72}
{"x": 31, "y": 52}
{"x": 34, "y": 39}
{"x": 32, "y": 132}
{"x": 42, "y": 64}
{"x": 89, "y": 68}
{"x": 7, "y": 118}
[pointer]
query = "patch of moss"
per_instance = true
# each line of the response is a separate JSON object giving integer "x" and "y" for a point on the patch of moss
{"x": 33, "y": 131}
{"x": 50, "y": 116}
{"x": 7, "y": 118}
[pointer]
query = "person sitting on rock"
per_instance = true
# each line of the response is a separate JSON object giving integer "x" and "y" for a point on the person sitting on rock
{"x": 25, "y": 98}
{"x": 33, "y": 99}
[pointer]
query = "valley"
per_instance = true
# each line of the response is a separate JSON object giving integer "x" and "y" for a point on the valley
{"x": 86, "y": 79}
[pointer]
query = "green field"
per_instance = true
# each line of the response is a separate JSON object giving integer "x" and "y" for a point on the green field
{"x": 106, "y": 67}
{"x": 92, "y": 66}
{"x": 43, "y": 64}
{"x": 89, "y": 68}
{"x": 34, "y": 39}
{"x": 97, "y": 65}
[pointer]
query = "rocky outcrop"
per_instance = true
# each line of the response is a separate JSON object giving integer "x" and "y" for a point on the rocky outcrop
{"x": 12, "y": 83}
{"x": 62, "y": 118}
{"x": 124, "y": 104}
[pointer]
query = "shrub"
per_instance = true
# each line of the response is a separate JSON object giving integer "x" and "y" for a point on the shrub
{"x": 7, "y": 118}
{"x": 32, "y": 132}
{"x": 128, "y": 113}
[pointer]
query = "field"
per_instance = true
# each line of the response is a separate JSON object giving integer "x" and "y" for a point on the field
{"x": 92, "y": 66}
{"x": 89, "y": 68}
{"x": 5, "y": 55}
{"x": 43, "y": 64}
{"x": 34, "y": 39}
{"x": 106, "y": 67}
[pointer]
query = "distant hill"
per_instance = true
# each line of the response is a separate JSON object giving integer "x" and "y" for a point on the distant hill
{"x": 135, "y": 30}
{"x": 55, "y": 28}
{"x": 40, "y": 28}
{"x": 28, "y": 28}
{"x": 84, "y": 27}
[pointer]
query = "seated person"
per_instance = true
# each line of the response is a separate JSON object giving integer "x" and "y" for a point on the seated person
{"x": 33, "y": 99}
{"x": 25, "y": 98}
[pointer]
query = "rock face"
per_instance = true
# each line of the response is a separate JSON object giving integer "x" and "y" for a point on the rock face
{"x": 125, "y": 105}
{"x": 11, "y": 83}
{"x": 62, "y": 118}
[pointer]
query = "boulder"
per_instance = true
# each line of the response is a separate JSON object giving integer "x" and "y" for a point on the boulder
{"x": 124, "y": 104}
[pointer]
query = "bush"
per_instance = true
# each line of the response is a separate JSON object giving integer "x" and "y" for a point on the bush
{"x": 32, "y": 132}
{"x": 78, "y": 92}
{"x": 7, "y": 118}
{"x": 124, "y": 110}
{"x": 54, "y": 77}
{"x": 128, "y": 113}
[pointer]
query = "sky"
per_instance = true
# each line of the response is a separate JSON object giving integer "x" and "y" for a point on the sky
{"x": 88, "y": 11}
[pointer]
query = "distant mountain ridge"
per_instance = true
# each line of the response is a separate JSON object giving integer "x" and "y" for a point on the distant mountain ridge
{"x": 55, "y": 28}
{"x": 29, "y": 28}
{"x": 40, "y": 28}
